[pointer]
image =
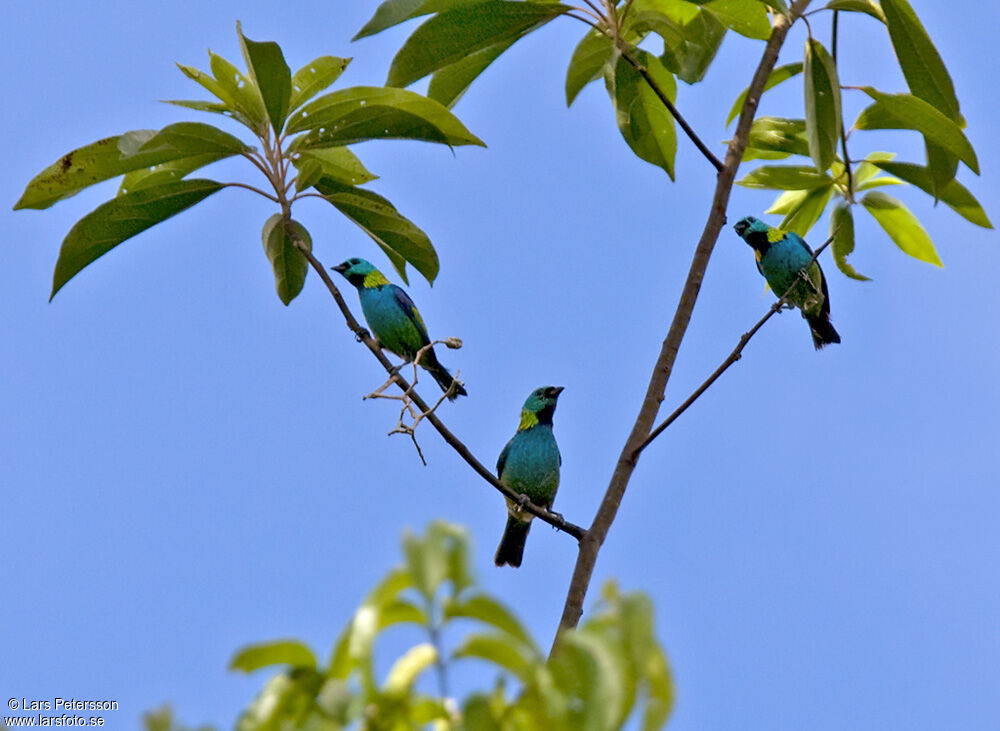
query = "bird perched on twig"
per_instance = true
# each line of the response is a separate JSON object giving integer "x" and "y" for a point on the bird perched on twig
{"x": 395, "y": 321}
{"x": 781, "y": 256}
{"x": 529, "y": 465}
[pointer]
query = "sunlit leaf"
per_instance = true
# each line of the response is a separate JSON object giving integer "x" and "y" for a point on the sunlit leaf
{"x": 587, "y": 63}
{"x": 497, "y": 649}
{"x": 336, "y": 163}
{"x": 869, "y": 7}
{"x": 405, "y": 670}
{"x": 842, "y": 230}
{"x": 314, "y": 77}
{"x": 902, "y": 226}
{"x": 786, "y": 177}
{"x": 775, "y": 134}
{"x": 804, "y": 217}
{"x": 122, "y": 218}
{"x": 689, "y": 47}
{"x": 489, "y": 611}
{"x": 289, "y": 264}
{"x": 747, "y": 19}
{"x": 955, "y": 195}
{"x": 394, "y": 12}
{"x": 401, "y": 611}
{"x": 240, "y": 93}
{"x": 584, "y": 668}
{"x": 822, "y": 99}
{"x": 278, "y": 652}
{"x": 779, "y": 74}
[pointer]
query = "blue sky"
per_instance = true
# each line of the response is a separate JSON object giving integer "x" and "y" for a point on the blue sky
{"x": 186, "y": 465}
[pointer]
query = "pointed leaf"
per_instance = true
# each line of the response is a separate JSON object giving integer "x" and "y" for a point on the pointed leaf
{"x": 368, "y": 112}
{"x": 396, "y": 235}
{"x": 166, "y": 172}
{"x": 488, "y": 610}
{"x": 122, "y": 218}
{"x": 336, "y": 163}
{"x": 870, "y": 7}
{"x": 309, "y": 171}
{"x": 747, "y": 19}
{"x": 240, "y": 93}
{"x": 660, "y": 691}
{"x": 842, "y": 230}
{"x": 902, "y": 226}
{"x": 278, "y": 652}
{"x": 584, "y": 668}
{"x": 451, "y": 82}
{"x": 822, "y": 97}
{"x": 868, "y": 169}
{"x": 394, "y": 12}
{"x": 270, "y": 73}
{"x": 801, "y": 219}
{"x": 587, "y": 63}
{"x": 905, "y": 111}
{"x": 878, "y": 182}
{"x": 954, "y": 194}
{"x": 405, "y": 670}
{"x": 497, "y": 649}
{"x": 690, "y": 47}
{"x": 314, "y": 77}
{"x": 450, "y": 36}
{"x": 788, "y": 202}
{"x": 779, "y": 74}
{"x": 644, "y": 122}
{"x": 289, "y": 264}
{"x": 401, "y": 611}
{"x": 775, "y": 134}
{"x": 785, "y": 177}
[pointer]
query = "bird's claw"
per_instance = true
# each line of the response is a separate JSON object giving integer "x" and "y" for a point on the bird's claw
{"x": 361, "y": 334}
{"x": 557, "y": 516}
{"x": 522, "y": 500}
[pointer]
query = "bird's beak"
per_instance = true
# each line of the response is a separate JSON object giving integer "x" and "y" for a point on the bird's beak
{"x": 342, "y": 267}
{"x": 556, "y": 390}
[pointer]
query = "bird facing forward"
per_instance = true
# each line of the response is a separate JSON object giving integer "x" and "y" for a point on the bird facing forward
{"x": 781, "y": 256}
{"x": 395, "y": 321}
{"x": 529, "y": 465}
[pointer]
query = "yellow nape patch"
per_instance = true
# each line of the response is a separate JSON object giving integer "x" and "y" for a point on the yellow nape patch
{"x": 374, "y": 278}
{"x": 528, "y": 420}
{"x": 775, "y": 235}
{"x": 756, "y": 255}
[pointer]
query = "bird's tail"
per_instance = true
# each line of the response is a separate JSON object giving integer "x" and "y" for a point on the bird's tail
{"x": 442, "y": 376}
{"x": 822, "y": 330}
{"x": 511, "y": 547}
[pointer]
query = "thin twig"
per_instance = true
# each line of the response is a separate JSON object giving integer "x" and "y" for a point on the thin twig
{"x": 250, "y": 187}
{"x": 732, "y": 357}
{"x": 363, "y": 336}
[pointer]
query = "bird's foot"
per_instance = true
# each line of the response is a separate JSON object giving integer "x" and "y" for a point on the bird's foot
{"x": 361, "y": 334}
{"x": 557, "y": 516}
{"x": 522, "y": 500}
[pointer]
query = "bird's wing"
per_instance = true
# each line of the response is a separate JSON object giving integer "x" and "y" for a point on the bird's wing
{"x": 411, "y": 311}
{"x": 502, "y": 459}
{"x": 792, "y": 236}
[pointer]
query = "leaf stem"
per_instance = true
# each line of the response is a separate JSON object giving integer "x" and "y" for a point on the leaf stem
{"x": 258, "y": 191}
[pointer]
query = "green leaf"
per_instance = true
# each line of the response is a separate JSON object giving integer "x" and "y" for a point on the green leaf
{"x": 289, "y": 264}
{"x": 644, "y": 122}
{"x": 112, "y": 156}
{"x": 369, "y": 112}
{"x": 121, "y": 218}
{"x": 822, "y": 97}
{"x": 747, "y": 19}
{"x": 489, "y": 611}
{"x": 878, "y": 182}
{"x": 396, "y": 235}
{"x": 786, "y": 177}
{"x": 905, "y": 111}
{"x": 401, "y": 611}
{"x": 776, "y": 134}
{"x": 202, "y": 106}
{"x": 240, "y": 93}
{"x": 955, "y": 195}
{"x": 314, "y": 77}
{"x": 405, "y": 670}
{"x": 308, "y": 172}
{"x": 584, "y": 668}
{"x": 902, "y": 226}
{"x": 660, "y": 691}
{"x": 336, "y": 163}
{"x": 779, "y": 74}
{"x": 166, "y": 172}
{"x": 278, "y": 652}
{"x": 394, "y": 12}
{"x": 868, "y": 169}
{"x": 788, "y": 202}
{"x": 267, "y": 67}
{"x": 228, "y": 106}
{"x": 869, "y": 7}
{"x": 842, "y": 230}
{"x": 497, "y": 649}
{"x": 587, "y": 62}
{"x": 452, "y": 35}
{"x": 451, "y": 82}
{"x": 689, "y": 47}
{"x": 802, "y": 218}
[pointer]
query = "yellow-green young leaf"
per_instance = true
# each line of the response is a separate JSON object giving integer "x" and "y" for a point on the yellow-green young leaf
{"x": 777, "y": 5}
{"x": 878, "y": 182}
{"x": 778, "y": 135}
{"x": 271, "y": 75}
{"x": 660, "y": 691}
{"x": 747, "y": 19}
{"x": 289, "y": 264}
{"x": 786, "y": 177}
{"x": 869, "y": 7}
{"x": 400, "y": 239}
{"x": 842, "y": 230}
{"x": 229, "y": 103}
{"x": 452, "y": 35}
{"x": 779, "y": 74}
{"x": 906, "y": 111}
{"x": 822, "y": 98}
{"x": 449, "y": 83}
{"x": 314, "y": 77}
{"x": 584, "y": 669}
{"x": 498, "y": 650}
{"x": 477, "y": 714}
{"x": 788, "y": 201}
{"x": 587, "y": 62}
{"x": 278, "y": 652}
{"x": 401, "y": 611}
{"x": 336, "y": 163}
{"x": 955, "y": 195}
{"x": 424, "y": 710}
{"x": 240, "y": 93}
{"x": 212, "y": 107}
{"x": 121, "y": 218}
{"x": 644, "y": 122}
{"x": 489, "y": 611}
{"x": 394, "y": 12}
{"x": 902, "y": 226}
{"x": 691, "y": 37}
{"x": 867, "y": 169}
{"x": 405, "y": 670}
{"x": 369, "y": 112}
{"x": 804, "y": 217}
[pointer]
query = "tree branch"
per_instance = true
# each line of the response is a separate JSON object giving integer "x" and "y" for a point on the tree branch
{"x": 363, "y": 336}
{"x": 732, "y": 358}
{"x": 591, "y": 541}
